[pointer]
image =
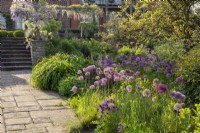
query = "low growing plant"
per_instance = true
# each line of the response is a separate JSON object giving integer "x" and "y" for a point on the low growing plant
{"x": 18, "y": 33}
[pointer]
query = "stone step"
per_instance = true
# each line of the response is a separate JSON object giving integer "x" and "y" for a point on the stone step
{"x": 15, "y": 55}
{"x": 22, "y": 59}
{"x": 14, "y": 68}
{"x": 12, "y": 44}
{"x": 8, "y": 39}
{"x": 14, "y": 51}
{"x": 29, "y": 63}
{"x": 13, "y": 48}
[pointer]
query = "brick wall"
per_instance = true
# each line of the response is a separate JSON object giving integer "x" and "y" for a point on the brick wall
{"x": 5, "y": 5}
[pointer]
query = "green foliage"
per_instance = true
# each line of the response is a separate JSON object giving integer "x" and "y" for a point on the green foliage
{"x": 152, "y": 22}
{"x": 85, "y": 107}
{"x": 67, "y": 46}
{"x": 189, "y": 69}
{"x": 125, "y": 50}
{"x": 88, "y": 29}
{"x": 3, "y": 33}
{"x": 47, "y": 73}
{"x": 51, "y": 28}
{"x": 10, "y": 33}
{"x": 170, "y": 50}
{"x": 65, "y": 85}
{"x": 9, "y": 22}
{"x": 18, "y": 33}
{"x": 89, "y": 48}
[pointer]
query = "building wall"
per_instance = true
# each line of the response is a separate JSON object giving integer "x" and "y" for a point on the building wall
{"x": 5, "y": 5}
{"x": 74, "y": 23}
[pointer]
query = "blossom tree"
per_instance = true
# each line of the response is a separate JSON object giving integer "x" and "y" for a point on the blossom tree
{"x": 34, "y": 13}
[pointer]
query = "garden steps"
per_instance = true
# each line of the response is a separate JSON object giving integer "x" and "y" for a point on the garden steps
{"x": 14, "y": 55}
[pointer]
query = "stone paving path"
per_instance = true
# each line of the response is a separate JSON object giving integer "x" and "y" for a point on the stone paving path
{"x": 24, "y": 109}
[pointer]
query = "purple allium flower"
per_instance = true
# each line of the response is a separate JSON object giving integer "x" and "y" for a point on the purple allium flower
{"x": 87, "y": 74}
{"x": 98, "y": 70}
{"x": 146, "y": 93}
{"x": 79, "y": 72}
{"x": 129, "y": 88}
{"x": 103, "y": 81}
{"x": 179, "y": 79}
{"x": 137, "y": 73}
{"x": 116, "y": 78}
{"x": 92, "y": 87}
{"x": 178, "y": 106}
{"x": 74, "y": 89}
{"x": 96, "y": 83}
{"x": 80, "y": 78}
{"x": 162, "y": 88}
{"x": 178, "y": 95}
{"x": 130, "y": 79}
{"x": 108, "y": 76}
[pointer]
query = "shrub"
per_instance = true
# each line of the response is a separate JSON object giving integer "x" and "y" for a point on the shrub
{"x": 125, "y": 50}
{"x": 170, "y": 50}
{"x": 10, "y": 33}
{"x": 86, "y": 107}
{"x": 3, "y": 33}
{"x": 67, "y": 46}
{"x": 18, "y": 33}
{"x": 189, "y": 69}
{"x": 65, "y": 85}
{"x": 47, "y": 73}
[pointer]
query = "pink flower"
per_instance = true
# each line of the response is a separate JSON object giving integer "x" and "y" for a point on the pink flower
{"x": 96, "y": 83}
{"x": 87, "y": 74}
{"x": 80, "y": 78}
{"x": 92, "y": 87}
{"x": 79, "y": 72}
{"x": 74, "y": 89}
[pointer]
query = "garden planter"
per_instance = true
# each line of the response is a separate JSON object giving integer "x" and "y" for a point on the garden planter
{"x": 37, "y": 51}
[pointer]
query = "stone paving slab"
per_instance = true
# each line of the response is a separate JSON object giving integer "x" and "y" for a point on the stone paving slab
{"x": 24, "y": 109}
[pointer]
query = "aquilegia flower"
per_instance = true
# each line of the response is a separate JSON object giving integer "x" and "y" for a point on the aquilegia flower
{"x": 108, "y": 105}
{"x": 178, "y": 95}
{"x": 162, "y": 88}
{"x": 74, "y": 89}
{"x": 119, "y": 128}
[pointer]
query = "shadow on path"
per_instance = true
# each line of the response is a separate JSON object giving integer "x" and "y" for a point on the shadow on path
{"x": 12, "y": 78}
